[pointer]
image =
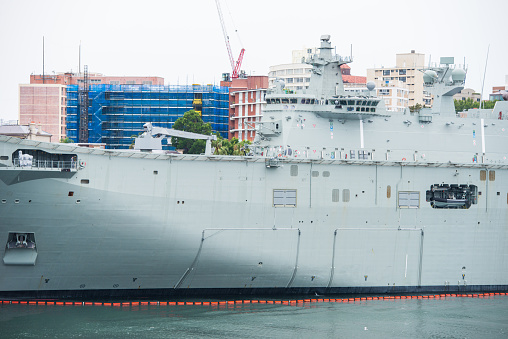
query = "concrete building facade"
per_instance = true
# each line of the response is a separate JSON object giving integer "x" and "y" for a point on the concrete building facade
{"x": 246, "y": 102}
{"x": 407, "y": 70}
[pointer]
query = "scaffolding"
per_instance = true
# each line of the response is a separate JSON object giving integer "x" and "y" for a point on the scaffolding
{"x": 117, "y": 112}
{"x": 83, "y": 107}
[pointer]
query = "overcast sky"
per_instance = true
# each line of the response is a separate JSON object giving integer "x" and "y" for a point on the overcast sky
{"x": 182, "y": 41}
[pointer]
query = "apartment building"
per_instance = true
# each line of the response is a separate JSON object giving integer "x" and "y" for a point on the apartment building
{"x": 407, "y": 70}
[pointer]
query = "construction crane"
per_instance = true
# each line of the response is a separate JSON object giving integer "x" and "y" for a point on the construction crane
{"x": 235, "y": 66}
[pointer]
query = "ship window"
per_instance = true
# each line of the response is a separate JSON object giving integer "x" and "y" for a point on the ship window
{"x": 452, "y": 196}
{"x": 284, "y": 198}
{"x": 358, "y": 109}
{"x": 364, "y": 102}
{"x": 335, "y": 195}
{"x": 345, "y": 195}
{"x": 374, "y": 103}
{"x": 303, "y": 101}
{"x": 351, "y": 154}
{"x": 409, "y": 199}
{"x": 285, "y": 101}
{"x": 483, "y": 175}
{"x": 492, "y": 175}
{"x": 343, "y": 102}
{"x": 363, "y": 109}
{"x": 388, "y": 191}
{"x": 350, "y": 102}
{"x": 307, "y": 101}
{"x": 315, "y": 174}
{"x": 326, "y": 174}
{"x": 358, "y": 102}
{"x": 369, "y": 103}
{"x": 85, "y": 181}
{"x": 372, "y": 109}
{"x": 349, "y": 108}
{"x": 293, "y": 101}
{"x": 277, "y": 101}
{"x": 294, "y": 170}
{"x": 312, "y": 101}
{"x": 4, "y": 157}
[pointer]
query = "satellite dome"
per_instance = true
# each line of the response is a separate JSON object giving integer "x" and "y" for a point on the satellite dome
{"x": 429, "y": 76}
{"x": 458, "y": 74}
{"x": 371, "y": 85}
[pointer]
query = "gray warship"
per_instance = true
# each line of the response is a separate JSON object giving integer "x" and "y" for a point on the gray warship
{"x": 337, "y": 195}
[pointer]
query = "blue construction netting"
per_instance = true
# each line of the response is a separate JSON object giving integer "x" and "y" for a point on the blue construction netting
{"x": 118, "y": 112}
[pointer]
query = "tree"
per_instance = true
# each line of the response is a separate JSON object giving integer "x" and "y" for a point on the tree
{"x": 416, "y": 108}
{"x": 191, "y": 122}
{"x": 65, "y": 140}
{"x": 230, "y": 147}
{"x": 464, "y": 105}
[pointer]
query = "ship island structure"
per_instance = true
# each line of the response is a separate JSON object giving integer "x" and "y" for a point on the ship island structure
{"x": 335, "y": 195}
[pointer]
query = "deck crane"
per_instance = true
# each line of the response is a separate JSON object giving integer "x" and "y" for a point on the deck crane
{"x": 234, "y": 66}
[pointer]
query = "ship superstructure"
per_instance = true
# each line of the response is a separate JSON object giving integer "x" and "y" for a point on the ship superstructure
{"x": 337, "y": 195}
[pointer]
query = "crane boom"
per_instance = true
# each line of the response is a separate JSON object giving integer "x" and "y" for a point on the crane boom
{"x": 235, "y": 67}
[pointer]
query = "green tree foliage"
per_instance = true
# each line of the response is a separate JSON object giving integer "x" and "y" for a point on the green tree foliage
{"x": 191, "y": 122}
{"x": 464, "y": 105}
{"x": 230, "y": 147}
{"x": 65, "y": 140}
{"x": 416, "y": 108}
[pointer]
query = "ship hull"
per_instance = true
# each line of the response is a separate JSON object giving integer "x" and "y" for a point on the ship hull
{"x": 201, "y": 226}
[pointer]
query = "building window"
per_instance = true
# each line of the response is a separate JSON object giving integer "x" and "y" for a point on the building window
{"x": 386, "y": 72}
{"x": 284, "y": 198}
{"x": 409, "y": 199}
{"x": 403, "y": 79}
{"x": 402, "y": 72}
{"x": 289, "y": 80}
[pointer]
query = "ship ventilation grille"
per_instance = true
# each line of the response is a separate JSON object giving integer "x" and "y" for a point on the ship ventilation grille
{"x": 294, "y": 170}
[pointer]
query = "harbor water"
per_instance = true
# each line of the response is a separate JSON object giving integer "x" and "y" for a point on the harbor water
{"x": 450, "y": 317}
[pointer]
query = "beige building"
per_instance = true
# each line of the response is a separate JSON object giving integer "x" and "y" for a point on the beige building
{"x": 395, "y": 94}
{"x": 468, "y": 93}
{"x": 44, "y": 105}
{"x": 407, "y": 70}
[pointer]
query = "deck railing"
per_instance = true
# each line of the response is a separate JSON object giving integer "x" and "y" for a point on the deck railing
{"x": 46, "y": 164}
